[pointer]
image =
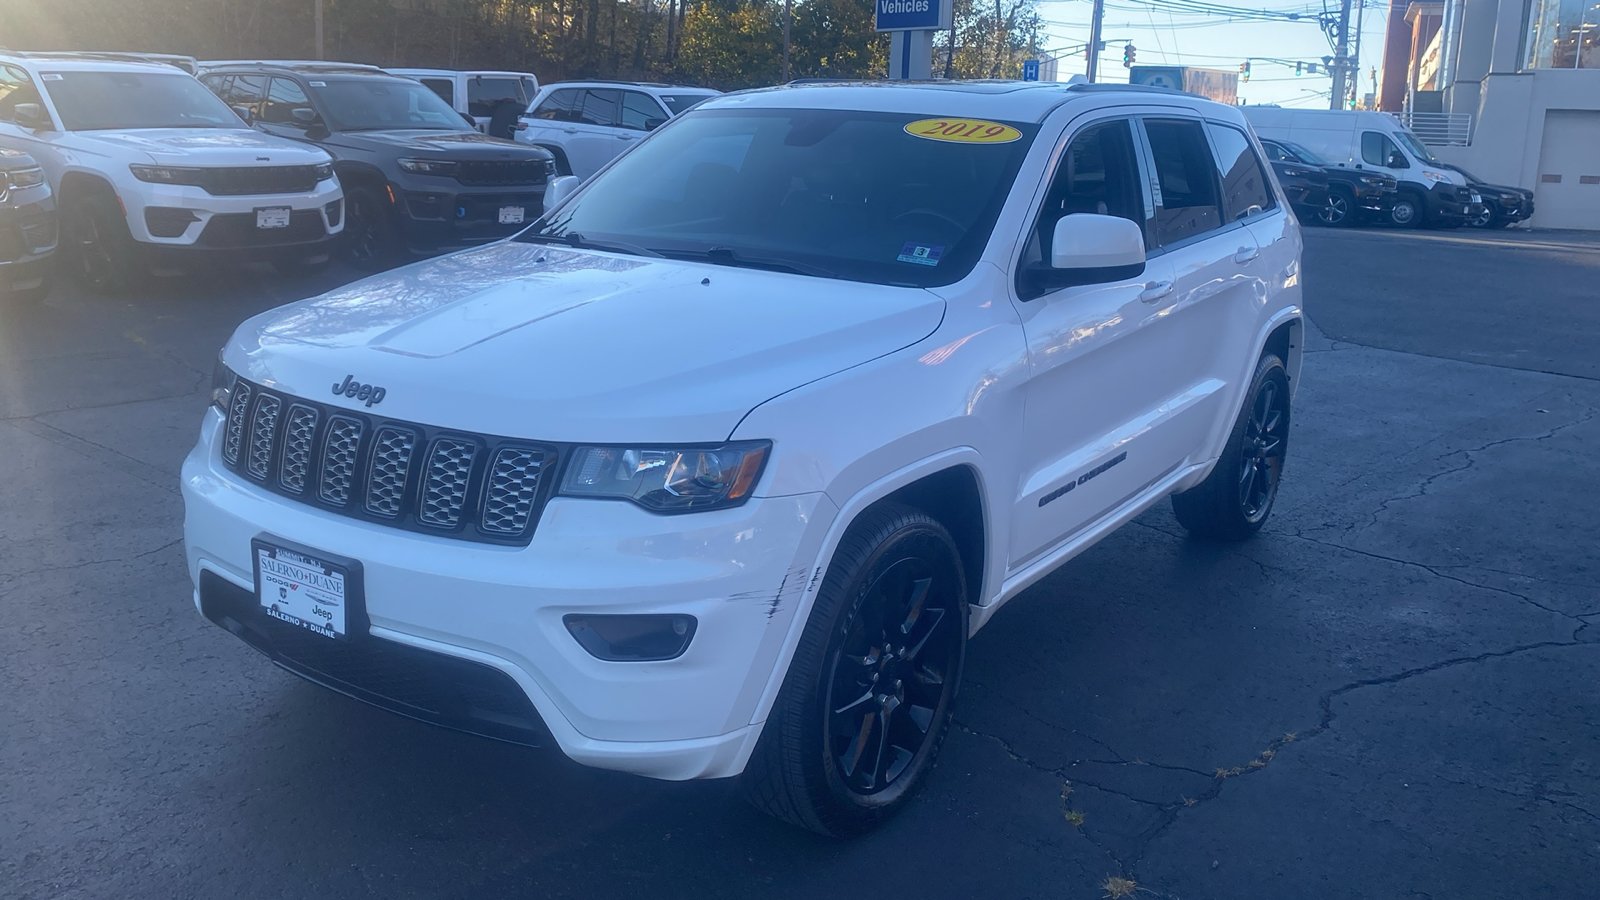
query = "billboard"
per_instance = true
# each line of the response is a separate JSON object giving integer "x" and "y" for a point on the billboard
{"x": 1220, "y": 85}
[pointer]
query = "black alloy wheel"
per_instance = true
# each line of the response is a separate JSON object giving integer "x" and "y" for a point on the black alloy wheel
{"x": 1234, "y": 500}
{"x": 1335, "y": 210}
{"x": 889, "y": 677}
{"x": 1266, "y": 439}
{"x": 870, "y": 693}
{"x": 369, "y": 231}
{"x": 98, "y": 246}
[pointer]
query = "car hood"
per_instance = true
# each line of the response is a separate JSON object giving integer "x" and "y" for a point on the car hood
{"x": 209, "y": 146}
{"x": 444, "y": 144}
{"x": 548, "y": 343}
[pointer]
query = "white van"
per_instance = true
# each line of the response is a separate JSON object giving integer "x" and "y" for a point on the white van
{"x": 1430, "y": 194}
{"x": 477, "y": 93}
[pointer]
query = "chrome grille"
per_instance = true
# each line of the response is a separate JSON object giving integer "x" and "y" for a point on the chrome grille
{"x": 339, "y": 459}
{"x": 391, "y": 461}
{"x": 263, "y": 428}
{"x": 415, "y": 477}
{"x": 444, "y": 486}
{"x": 233, "y": 436}
{"x": 297, "y": 447}
{"x": 513, "y": 486}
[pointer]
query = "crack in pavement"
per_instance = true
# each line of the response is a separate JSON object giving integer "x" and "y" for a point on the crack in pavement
{"x": 18, "y": 576}
{"x": 1422, "y": 488}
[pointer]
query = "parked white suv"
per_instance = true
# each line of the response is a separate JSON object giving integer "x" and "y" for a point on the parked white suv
{"x": 482, "y": 94}
{"x": 587, "y": 123}
{"x": 714, "y": 469}
{"x": 149, "y": 167}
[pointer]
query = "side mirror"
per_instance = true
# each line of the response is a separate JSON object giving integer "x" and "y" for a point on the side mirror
{"x": 1397, "y": 160}
{"x": 30, "y": 116}
{"x": 243, "y": 112}
{"x": 653, "y": 124}
{"x": 560, "y": 188}
{"x": 1090, "y": 249}
{"x": 303, "y": 115}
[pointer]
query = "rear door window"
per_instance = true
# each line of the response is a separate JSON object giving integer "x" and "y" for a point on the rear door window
{"x": 1186, "y": 181}
{"x": 599, "y": 108}
{"x": 560, "y": 106}
{"x": 1244, "y": 185}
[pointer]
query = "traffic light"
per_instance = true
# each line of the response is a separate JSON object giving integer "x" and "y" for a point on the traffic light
{"x": 1128, "y": 51}
{"x": 1298, "y": 67}
{"x": 1244, "y": 70}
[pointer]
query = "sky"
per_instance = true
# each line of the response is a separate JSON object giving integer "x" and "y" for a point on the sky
{"x": 1212, "y": 41}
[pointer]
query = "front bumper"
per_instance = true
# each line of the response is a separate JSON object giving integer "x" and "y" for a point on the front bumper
{"x": 1449, "y": 203}
{"x": 169, "y": 219}
{"x": 28, "y": 236}
{"x": 740, "y": 572}
{"x": 450, "y": 218}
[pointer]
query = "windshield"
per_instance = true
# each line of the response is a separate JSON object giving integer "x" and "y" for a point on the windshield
{"x": 370, "y": 104}
{"x": 840, "y": 193}
{"x": 94, "y": 101}
{"x": 1302, "y": 154}
{"x": 678, "y": 104}
{"x": 1415, "y": 146}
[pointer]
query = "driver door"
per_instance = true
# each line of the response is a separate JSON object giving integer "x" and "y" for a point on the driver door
{"x": 1096, "y": 380}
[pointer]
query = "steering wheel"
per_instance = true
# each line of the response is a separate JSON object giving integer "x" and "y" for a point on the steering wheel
{"x": 935, "y": 214}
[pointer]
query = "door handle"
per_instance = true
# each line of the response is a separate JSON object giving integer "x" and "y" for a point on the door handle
{"x": 626, "y": 137}
{"x": 1155, "y": 291}
{"x": 570, "y": 130}
{"x": 1246, "y": 254}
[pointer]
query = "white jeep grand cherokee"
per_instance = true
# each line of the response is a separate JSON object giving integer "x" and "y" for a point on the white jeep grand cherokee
{"x": 714, "y": 470}
{"x": 150, "y": 168}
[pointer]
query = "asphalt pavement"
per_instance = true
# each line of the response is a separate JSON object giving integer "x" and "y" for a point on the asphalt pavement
{"x": 1390, "y": 693}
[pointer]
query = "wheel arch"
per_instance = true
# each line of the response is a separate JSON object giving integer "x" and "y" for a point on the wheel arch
{"x": 76, "y": 182}
{"x": 948, "y": 482}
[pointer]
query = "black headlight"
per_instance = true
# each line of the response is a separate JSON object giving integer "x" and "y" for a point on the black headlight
{"x": 325, "y": 171}
{"x": 166, "y": 174}
{"x": 222, "y": 381}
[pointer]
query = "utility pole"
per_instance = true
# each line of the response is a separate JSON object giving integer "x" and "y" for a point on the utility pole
{"x": 1341, "y": 60}
{"x": 1355, "y": 63}
{"x": 1094, "y": 36}
{"x": 319, "y": 30}
{"x": 787, "y": 15}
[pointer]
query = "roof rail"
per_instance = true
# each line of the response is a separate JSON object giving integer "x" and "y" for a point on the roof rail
{"x": 186, "y": 63}
{"x": 1117, "y": 88}
{"x": 298, "y": 65}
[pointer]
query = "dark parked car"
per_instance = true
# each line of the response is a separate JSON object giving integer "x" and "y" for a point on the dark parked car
{"x": 1502, "y": 205}
{"x": 27, "y": 227}
{"x": 1351, "y": 195}
{"x": 417, "y": 175}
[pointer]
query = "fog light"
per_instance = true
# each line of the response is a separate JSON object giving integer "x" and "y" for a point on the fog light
{"x": 333, "y": 211}
{"x": 642, "y": 638}
{"x": 168, "y": 221}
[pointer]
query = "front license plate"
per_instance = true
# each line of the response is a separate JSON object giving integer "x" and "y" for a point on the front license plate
{"x": 272, "y": 217}
{"x": 300, "y": 587}
{"x": 511, "y": 215}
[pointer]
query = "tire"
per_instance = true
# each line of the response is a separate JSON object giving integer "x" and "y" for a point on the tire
{"x": 371, "y": 239}
{"x": 1338, "y": 210}
{"x": 896, "y": 575}
{"x": 1407, "y": 211}
{"x": 1235, "y": 499}
{"x": 1486, "y": 219}
{"x": 98, "y": 247}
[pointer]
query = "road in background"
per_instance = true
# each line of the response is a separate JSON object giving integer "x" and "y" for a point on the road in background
{"x": 1389, "y": 693}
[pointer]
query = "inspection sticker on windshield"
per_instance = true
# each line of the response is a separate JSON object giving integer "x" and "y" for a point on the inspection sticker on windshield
{"x": 921, "y": 254}
{"x": 963, "y": 131}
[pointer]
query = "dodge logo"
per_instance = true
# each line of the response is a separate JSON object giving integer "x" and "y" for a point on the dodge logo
{"x": 370, "y": 393}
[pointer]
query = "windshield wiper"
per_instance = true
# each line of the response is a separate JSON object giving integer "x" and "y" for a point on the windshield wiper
{"x": 579, "y": 242}
{"x": 727, "y": 256}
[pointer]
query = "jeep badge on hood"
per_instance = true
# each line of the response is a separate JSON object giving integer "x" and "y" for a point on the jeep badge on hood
{"x": 370, "y": 393}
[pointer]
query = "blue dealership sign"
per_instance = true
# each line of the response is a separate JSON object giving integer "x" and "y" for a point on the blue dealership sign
{"x": 912, "y": 15}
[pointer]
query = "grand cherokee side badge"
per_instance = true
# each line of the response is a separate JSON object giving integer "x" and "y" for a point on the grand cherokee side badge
{"x": 371, "y": 393}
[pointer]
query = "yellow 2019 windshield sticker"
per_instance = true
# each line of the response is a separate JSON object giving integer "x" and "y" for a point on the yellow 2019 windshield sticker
{"x": 963, "y": 131}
